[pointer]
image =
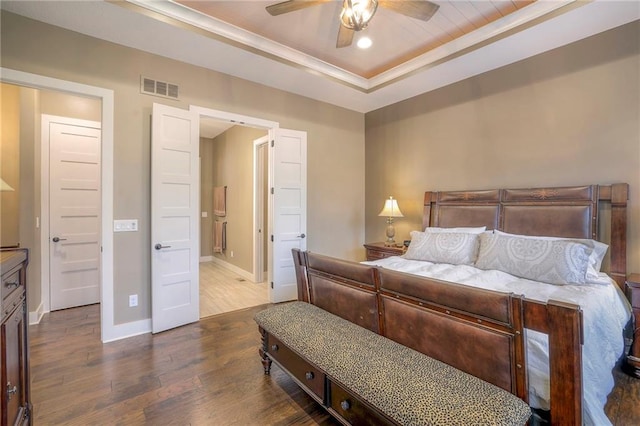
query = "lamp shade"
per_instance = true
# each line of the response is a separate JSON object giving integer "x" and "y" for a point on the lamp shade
{"x": 391, "y": 208}
{"x": 4, "y": 186}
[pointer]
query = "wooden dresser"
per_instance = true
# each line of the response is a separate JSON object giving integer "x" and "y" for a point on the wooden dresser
{"x": 15, "y": 406}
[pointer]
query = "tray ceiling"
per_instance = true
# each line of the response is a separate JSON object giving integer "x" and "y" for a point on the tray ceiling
{"x": 396, "y": 38}
{"x": 296, "y": 51}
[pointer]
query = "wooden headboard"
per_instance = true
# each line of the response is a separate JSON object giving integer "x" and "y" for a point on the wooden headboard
{"x": 572, "y": 212}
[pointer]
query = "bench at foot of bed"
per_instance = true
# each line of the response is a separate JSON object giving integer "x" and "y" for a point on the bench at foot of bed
{"x": 357, "y": 374}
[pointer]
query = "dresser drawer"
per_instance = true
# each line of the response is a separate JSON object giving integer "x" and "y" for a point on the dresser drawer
{"x": 11, "y": 286}
{"x": 15, "y": 299}
{"x": 377, "y": 251}
{"x": 352, "y": 409}
{"x": 305, "y": 374}
{"x": 376, "y": 254}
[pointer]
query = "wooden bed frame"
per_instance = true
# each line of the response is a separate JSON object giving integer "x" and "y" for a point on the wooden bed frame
{"x": 573, "y": 212}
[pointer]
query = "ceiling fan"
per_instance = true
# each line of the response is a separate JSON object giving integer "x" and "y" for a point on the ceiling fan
{"x": 356, "y": 14}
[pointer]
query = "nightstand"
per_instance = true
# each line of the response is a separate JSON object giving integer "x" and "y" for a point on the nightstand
{"x": 632, "y": 362}
{"x": 380, "y": 251}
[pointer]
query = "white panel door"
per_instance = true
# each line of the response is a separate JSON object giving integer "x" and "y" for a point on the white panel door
{"x": 175, "y": 187}
{"x": 74, "y": 212}
{"x": 288, "y": 212}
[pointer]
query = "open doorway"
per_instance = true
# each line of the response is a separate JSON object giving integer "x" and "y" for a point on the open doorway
{"x": 34, "y": 211}
{"x": 230, "y": 278}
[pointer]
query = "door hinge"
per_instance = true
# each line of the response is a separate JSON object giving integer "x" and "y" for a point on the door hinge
{"x": 271, "y": 284}
{"x": 272, "y": 143}
{"x": 271, "y": 237}
{"x": 272, "y": 190}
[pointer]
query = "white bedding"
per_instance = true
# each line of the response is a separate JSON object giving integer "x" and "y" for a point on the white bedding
{"x": 606, "y": 311}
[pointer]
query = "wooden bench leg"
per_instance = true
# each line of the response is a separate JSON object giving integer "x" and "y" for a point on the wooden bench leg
{"x": 266, "y": 361}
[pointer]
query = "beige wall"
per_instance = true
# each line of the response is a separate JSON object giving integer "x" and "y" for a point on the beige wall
{"x": 566, "y": 117}
{"x": 65, "y": 105}
{"x": 30, "y": 46}
{"x": 232, "y": 166}
{"x": 10, "y": 165}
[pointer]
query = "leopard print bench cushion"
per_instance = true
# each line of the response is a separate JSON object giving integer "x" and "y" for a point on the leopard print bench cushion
{"x": 408, "y": 386}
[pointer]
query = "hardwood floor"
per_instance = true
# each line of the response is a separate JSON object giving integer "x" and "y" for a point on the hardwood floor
{"x": 221, "y": 290}
{"x": 206, "y": 373}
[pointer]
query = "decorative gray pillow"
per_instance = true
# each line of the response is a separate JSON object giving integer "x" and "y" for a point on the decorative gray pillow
{"x": 549, "y": 261}
{"x": 597, "y": 251}
{"x": 443, "y": 247}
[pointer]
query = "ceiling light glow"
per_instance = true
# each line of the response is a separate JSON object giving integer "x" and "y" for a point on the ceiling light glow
{"x": 364, "y": 42}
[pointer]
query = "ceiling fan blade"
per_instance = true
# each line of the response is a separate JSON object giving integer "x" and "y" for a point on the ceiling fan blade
{"x": 291, "y": 6}
{"x": 419, "y": 9}
{"x": 345, "y": 37}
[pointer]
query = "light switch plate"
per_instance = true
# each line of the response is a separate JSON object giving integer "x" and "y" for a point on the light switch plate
{"x": 125, "y": 225}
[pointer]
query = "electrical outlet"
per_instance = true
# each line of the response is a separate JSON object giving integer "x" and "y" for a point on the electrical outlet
{"x": 231, "y": 253}
{"x": 133, "y": 300}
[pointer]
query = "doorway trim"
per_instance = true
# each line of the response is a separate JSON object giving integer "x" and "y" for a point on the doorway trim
{"x": 108, "y": 329}
{"x": 242, "y": 120}
{"x": 259, "y": 219}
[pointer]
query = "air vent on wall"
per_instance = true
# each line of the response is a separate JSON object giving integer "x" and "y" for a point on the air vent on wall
{"x": 158, "y": 88}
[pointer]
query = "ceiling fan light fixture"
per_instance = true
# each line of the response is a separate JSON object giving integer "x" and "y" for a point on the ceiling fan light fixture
{"x": 356, "y": 14}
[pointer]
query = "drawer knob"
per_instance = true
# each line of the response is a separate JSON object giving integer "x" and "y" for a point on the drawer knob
{"x": 274, "y": 348}
{"x": 345, "y": 404}
{"x": 309, "y": 375}
{"x": 11, "y": 391}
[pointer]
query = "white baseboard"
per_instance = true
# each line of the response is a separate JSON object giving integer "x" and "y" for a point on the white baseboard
{"x": 129, "y": 329}
{"x": 36, "y": 316}
{"x": 206, "y": 258}
{"x": 118, "y": 332}
{"x": 233, "y": 268}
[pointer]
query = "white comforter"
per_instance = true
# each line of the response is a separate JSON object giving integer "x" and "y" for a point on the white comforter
{"x": 606, "y": 311}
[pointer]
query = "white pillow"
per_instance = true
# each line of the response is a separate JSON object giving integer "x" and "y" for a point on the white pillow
{"x": 455, "y": 248}
{"x": 463, "y": 229}
{"x": 554, "y": 261}
{"x": 597, "y": 252}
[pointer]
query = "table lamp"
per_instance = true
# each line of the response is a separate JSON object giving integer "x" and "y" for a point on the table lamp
{"x": 390, "y": 210}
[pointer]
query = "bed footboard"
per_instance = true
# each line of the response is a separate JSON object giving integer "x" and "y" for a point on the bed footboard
{"x": 562, "y": 322}
{"x": 414, "y": 311}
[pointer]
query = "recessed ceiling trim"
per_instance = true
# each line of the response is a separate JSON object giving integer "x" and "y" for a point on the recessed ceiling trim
{"x": 185, "y": 17}
{"x": 130, "y": 26}
{"x": 177, "y": 14}
{"x": 522, "y": 25}
{"x": 484, "y": 35}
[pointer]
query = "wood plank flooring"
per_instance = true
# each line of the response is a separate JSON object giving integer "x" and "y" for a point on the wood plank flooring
{"x": 222, "y": 290}
{"x": 206, "y": 373}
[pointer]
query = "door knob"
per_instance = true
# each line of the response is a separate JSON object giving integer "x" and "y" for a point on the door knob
{"x": 56, "y": 239}
{"x": 160, "y": 246}
{"x": 301, "y": 236}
